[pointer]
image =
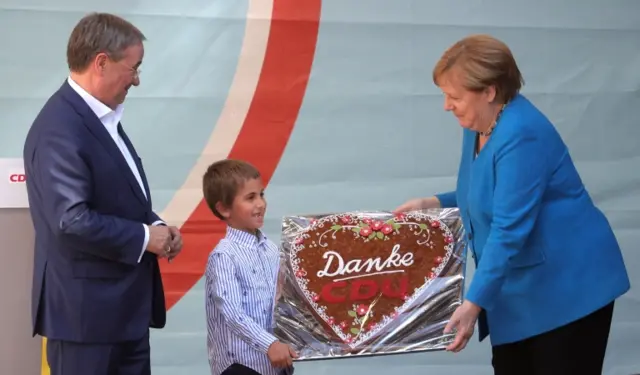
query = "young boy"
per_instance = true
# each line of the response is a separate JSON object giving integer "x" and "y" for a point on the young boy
{"x": 241, "y": 277}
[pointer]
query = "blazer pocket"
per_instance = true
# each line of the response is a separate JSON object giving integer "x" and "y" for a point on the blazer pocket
{"x": 87, "y": 269}
{"x": 528, "y": 257}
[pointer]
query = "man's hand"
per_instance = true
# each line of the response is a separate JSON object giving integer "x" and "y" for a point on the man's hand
{"x": 159, "y": 240}
{"x": 176, "y": 242}
{"x": 281, "y": 355}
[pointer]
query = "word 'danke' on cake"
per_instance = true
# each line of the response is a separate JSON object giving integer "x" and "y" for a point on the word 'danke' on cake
{"x": 358, "y": 273}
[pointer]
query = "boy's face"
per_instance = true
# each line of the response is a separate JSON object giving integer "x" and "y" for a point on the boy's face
{"x": 248, "y": 208}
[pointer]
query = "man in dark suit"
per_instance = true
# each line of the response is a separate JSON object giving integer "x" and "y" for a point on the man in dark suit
{"x": 97, "y": 286}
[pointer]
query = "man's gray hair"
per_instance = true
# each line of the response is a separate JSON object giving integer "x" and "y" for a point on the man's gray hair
{"x": 100, "y": 33}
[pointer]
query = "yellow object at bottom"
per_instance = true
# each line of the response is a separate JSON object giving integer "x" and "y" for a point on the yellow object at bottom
{"x": 45, "y": 364}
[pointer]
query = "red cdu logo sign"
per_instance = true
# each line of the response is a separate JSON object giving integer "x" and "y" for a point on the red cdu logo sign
{"x": 17, "y": 177}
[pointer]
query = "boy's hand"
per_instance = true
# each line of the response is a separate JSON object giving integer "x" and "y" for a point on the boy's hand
{"x": 281, "y": 355}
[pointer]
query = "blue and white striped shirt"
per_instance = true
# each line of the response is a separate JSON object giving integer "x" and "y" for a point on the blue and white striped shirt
{"x": 241, "y": 278}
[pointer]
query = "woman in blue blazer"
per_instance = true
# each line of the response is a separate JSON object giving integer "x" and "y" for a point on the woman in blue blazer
{"x": 548, "y": 266}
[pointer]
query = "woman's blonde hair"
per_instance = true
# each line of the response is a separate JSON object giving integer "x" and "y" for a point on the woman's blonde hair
{"x": 482, "y": 61}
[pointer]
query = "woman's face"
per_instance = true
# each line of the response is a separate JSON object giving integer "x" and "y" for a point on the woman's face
{"x": 474, "y": 110}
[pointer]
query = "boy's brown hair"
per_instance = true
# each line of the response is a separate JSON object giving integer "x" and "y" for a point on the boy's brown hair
{"x": 223, "y": 179}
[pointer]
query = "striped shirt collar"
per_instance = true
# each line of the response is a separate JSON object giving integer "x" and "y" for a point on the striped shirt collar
{"x": 245, "y": 238}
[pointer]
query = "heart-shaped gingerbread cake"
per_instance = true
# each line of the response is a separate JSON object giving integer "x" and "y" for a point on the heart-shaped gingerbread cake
{"x": 358, "y": 272}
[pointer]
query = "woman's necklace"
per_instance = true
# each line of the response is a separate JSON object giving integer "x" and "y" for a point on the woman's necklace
{"x": 488, "y": 132}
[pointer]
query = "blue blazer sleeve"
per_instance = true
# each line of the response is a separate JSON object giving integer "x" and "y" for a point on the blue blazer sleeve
{"x": 521, "y": 175}
{"x": 447, "y": 200}
{"x": 65, "y": 178}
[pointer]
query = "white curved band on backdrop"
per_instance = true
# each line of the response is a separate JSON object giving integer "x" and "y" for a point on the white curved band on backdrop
{"x": 233, "y": 114}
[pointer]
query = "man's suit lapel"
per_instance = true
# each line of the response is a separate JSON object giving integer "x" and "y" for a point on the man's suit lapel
{"x": 100, "y": 132}
{"x": 98, "y": 129}
{"x": 137, "y": 160}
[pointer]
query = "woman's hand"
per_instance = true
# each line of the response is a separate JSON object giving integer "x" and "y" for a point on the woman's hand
{"x": 418, "y": 204}
{"x": 463, "y": 319}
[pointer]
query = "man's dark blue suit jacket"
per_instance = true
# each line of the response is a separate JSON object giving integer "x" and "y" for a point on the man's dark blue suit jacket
{"x": 88, "y": 209}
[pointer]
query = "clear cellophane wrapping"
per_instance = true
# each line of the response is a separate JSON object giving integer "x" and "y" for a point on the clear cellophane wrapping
{"x": 345, "y": 308}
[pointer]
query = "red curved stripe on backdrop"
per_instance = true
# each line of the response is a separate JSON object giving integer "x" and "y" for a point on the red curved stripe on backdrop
{"x": 264, "y": 135}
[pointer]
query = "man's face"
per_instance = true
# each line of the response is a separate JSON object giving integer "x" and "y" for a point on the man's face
{"x": 118, "y": 76}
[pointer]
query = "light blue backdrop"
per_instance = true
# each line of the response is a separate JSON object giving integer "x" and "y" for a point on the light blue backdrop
{"x": 370, "y": 97}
